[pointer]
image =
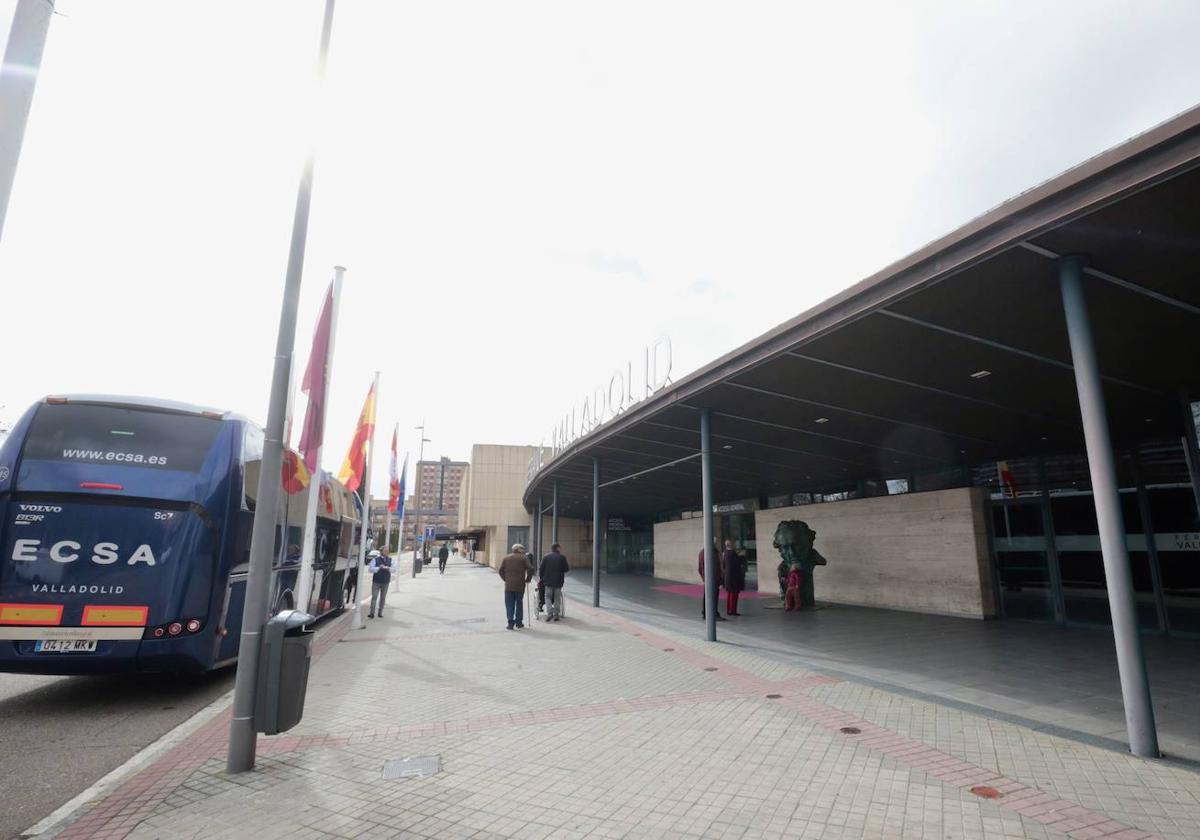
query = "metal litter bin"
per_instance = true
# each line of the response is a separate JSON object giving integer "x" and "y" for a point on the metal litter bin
{"x": 283, "y": 672}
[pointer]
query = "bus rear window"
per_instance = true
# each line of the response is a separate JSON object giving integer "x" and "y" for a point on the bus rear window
{"x": 102, "y": 434}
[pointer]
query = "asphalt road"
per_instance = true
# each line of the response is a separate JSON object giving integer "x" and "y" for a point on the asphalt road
{"x": 58, "y": 735}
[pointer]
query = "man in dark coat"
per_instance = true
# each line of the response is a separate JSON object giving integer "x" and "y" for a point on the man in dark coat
{"x": 443, "y": 556}
{"x": 734, "y": 567}
{"x": 704, "y": 596}
{"x": 516, "y": 572}
{"x": 553, "y": 574}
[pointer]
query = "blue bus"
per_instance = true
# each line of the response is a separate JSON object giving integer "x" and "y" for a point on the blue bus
{"x": 125, "y": 537}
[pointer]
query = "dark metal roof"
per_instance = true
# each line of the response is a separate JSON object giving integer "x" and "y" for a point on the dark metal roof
{"x": 888, "y": 362}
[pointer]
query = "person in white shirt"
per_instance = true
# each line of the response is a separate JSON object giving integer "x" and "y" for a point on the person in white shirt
{"x": 381, "y": 578}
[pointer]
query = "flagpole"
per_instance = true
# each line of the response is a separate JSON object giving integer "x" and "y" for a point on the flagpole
{"x": 304, "y": 580}
{"x": 387, "y": 517}
{"x": 242, "y": 736}
{"x": 400, "y": 523}
{"x": 356, "y": 619}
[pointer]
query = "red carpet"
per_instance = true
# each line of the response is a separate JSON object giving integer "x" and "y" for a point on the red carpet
{"x": 696, "y": 590}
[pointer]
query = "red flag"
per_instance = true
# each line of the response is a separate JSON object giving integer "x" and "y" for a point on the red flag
{"x": 314, "y": 384}
{"x": 351, "y": 473}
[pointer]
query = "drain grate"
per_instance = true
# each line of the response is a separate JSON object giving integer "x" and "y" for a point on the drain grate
{"x": 850, "y": 730}
{"x": 412, "y": 768}
{"x": 774, "y": 696}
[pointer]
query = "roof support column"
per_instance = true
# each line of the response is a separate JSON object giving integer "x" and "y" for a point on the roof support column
{"x": 554, "y": 516}
{"x": 595, "y": 532}
{"x": 1135, "y": 688}
{"x": 537, "y": 533}
{"x": 706, "y": 495}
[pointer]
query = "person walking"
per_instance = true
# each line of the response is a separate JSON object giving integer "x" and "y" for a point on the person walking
{"x": 381, "y": 579}
{"x": 516, "y": 572}
{"x": 733, "y": 565}
{"x": 553, "y": 574}
{"x": 704, "y": 595}
{"x": 443, "y": 556}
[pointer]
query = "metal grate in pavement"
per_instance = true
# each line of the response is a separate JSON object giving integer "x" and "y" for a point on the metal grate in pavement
{"x": 412, "y": 768}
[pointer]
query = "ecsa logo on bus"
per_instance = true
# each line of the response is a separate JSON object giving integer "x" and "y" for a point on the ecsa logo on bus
{"x": 67, "y": 551}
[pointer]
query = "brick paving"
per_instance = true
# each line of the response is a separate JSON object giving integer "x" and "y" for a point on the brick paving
{"x": 601, "y": 727}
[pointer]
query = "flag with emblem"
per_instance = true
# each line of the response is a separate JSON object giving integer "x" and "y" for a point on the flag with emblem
{"x": 355, "y": 462}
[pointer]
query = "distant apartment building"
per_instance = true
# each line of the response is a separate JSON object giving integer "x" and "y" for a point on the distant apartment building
{"x": 437, "y": 495}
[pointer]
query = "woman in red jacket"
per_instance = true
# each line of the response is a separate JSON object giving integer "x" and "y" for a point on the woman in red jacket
{"x": 733, "y": 566}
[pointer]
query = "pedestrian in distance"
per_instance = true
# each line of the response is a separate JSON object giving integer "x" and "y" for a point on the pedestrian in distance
{"x": 704, "y": 595}
{"x": 381, "y": 578}
{"x": 516, "y": 571}
{"x": 350, "y": 586}
{"x": 795, "y": 580}
{"x": 553, "y": 574}
{"x": 733, "y": 565}
{"x": 443, "y": 556}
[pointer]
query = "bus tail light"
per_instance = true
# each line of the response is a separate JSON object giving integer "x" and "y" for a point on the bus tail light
{"x": 100, "y": 485}
{"x": 174, "y": 628}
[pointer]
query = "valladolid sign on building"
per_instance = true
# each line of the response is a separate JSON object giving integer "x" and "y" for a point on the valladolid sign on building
{"x": 626, "y": 387}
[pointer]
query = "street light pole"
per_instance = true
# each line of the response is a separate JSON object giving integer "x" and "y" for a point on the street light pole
{"x": 242, "y": 736}
{"x": 418, "y": 554}
{"x": 18, "y": 76}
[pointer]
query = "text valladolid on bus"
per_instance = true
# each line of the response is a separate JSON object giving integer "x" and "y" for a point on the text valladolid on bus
{"x": 125, "y": 527}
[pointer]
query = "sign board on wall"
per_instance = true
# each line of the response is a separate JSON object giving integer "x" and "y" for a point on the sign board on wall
{"x": 617, "y": 523}
{"x": 742, "y": 506}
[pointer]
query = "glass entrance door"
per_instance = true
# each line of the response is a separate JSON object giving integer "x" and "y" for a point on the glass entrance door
{"x": 1081, "y": 563}
{"x": 1022, "y": 559}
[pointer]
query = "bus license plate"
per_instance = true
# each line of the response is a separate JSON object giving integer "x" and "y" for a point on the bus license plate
{"x": 65, "y": 646}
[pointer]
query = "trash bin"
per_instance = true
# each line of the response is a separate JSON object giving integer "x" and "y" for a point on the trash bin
{"x": 283, "y": 671}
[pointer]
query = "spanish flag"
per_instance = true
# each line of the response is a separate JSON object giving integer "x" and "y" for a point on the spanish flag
{"x": 351, "y": 473}
{"x": 295, "y": 474}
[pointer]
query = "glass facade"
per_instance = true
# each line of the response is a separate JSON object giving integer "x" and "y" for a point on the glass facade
{"x": 1046, "y": 544}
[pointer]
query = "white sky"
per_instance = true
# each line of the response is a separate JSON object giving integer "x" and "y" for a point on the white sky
{"x": 525, "y": 194}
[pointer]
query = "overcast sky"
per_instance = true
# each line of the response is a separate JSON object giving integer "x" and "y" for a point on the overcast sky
{"x": 525, "y": 194}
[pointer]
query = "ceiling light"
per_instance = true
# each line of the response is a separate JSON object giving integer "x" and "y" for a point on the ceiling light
{"x": 727, "y": 446}
{"x": 822, "y": 420}
{"x": 980, "y": 374}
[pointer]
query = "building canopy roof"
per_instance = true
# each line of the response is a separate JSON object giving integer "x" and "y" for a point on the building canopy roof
{"x": 885, "y": 379}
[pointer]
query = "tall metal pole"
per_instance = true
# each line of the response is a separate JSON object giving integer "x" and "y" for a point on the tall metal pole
{"x": 356, "y": 619}
{"x": 596, "y": 526}
{"x": 305, "y": 577}
{"x": 18, "y": 77}
{"x": 554, "y": 516}
{"x": 418, "y": 553}
{"x": 1135, "y": 687}
{"x": 242, "y": 739}
{"x": 706, "y": 495}
{"x": 537, "y": 532}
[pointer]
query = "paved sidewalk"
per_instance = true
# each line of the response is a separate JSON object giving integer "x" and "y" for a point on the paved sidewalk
{"x": 601, "y": 727}
{"x": 1062, "y": 680}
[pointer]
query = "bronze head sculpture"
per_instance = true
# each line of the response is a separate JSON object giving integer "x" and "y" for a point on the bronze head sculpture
{"x": 794, "y": 542}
